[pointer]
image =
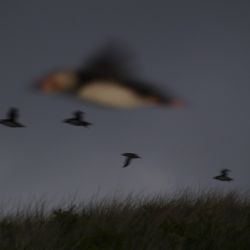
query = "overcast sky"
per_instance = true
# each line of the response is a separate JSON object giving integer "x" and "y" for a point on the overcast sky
{"x": 200, "y": 49}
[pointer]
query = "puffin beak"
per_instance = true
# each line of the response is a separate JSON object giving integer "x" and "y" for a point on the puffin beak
{"x": 44, "y": 85}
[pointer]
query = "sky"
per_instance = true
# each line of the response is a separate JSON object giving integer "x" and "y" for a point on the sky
{"x": 199, "y": 49}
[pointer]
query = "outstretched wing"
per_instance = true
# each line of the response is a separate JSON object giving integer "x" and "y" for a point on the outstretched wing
{"x": 86, "y": 124}
{"x": 127, "y": 162}
{"x": 111, "y": 61}
{"x": 78, "y": 115}
{"x": 13, "y": 114}
{"x": 225, "y": 171}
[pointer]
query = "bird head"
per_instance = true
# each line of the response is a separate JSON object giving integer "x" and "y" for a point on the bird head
{"x": 62, "y": 81}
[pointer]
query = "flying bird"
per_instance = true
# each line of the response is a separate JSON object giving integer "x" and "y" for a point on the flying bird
{"x": 77, "y": 119}
{"x": 129, "y": 157}
{"x": 12, "y": 119}
{"x": 106, "y": 81}
{"x": 224, "y": 175}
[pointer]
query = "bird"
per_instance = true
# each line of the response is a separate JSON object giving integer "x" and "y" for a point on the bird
{"x": 129, "y": 157}
{"x": 224, "y": 175}
{"x": 106, "y": 81}
{"x": 11, "y": 120}
{"x": 77, "y": 119}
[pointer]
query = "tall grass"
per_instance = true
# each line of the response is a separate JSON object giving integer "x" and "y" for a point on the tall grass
{"x": 188, "y": 220}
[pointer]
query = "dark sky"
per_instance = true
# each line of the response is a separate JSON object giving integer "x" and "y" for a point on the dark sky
{"x": 199, "y": 49}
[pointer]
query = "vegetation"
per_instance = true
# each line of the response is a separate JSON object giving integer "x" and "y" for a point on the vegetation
{"x": 204, "y": 220}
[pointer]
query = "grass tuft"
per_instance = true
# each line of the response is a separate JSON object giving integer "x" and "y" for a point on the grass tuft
{"x": 189, "y": 220}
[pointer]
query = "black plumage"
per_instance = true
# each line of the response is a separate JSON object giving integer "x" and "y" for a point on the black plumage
{"x": 12, "y": 119}
{"x": 129, "y": 157}
{"x": 77, "y": 120}
{"x": 224, "y": 175}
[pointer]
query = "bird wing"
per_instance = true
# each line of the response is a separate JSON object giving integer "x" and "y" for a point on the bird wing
{"x": 127, "y": 162}
{"x": 110, "y": 61}
{"x": 78, "y": 115}
{"x": 86, "y": 124}
{"x": 224, "y": 171}
{"x": 12, "y": 114}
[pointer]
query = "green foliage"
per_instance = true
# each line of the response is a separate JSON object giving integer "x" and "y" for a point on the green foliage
{"x": 187, "y": 222}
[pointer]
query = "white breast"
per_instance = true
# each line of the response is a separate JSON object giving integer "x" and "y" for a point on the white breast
{"x": 111, "y": 94}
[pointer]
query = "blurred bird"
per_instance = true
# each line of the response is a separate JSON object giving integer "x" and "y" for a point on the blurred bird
{"x": 129, "y": 157}
{"x": 104, "y": 80}
{"x": 77, "y": 120}
{"x": 223, "y": 176}
{"x": 11, "y": 120}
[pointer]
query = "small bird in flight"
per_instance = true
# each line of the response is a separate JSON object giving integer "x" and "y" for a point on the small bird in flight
{"x": 77, "y": 120}
{"x": 11, "y": 120}
{"x": 129, "y": 157}
{"x": 224, "y": 175}
{"x": 104, "y": 81}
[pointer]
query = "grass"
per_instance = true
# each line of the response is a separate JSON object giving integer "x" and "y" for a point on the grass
{"x": 187, "y": 221}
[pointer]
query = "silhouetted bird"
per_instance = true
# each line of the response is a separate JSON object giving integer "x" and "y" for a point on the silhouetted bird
{"x": 224, "y": 175}
{"x": 103, "y": 80}
{"x": 12, "y": 117}
{"x": 77, "y": 120}
{"x": 129, "y": 157}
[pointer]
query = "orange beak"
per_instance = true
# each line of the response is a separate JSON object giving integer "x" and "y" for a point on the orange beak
{"x": 48, "y": 85}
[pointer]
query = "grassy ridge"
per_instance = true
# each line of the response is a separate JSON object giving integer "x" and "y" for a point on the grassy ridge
{"x": 208, "y": 220}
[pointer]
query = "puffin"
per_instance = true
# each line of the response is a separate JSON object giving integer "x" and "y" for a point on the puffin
{"x": 224, "y": 175}
{"x": 129, "y": 157}
{"x": 77, "y": 119}
{"x": 12, "y": 119}
{"x": 105, "y": 80}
